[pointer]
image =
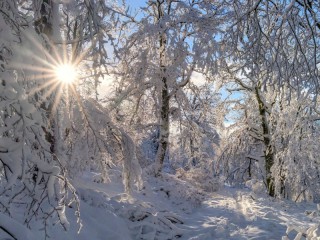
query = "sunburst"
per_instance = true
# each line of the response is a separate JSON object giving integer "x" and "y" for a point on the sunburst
{"x": 66, "y": 73}
{"x": 51, "y": 68}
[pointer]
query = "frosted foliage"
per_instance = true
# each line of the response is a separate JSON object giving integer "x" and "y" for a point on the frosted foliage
{"x": 146, "y": 223}
{"x": 158, "y": 58}
{"x": 95, "y": 146}
{"x": 275, "y": 41}
{"x": 241, "y": 158}
{"x": 148, "y": 148}
{"x": 172, "y": 66}
{"x": 195, "y": 143}
{"x": 272, "y": 62}
{"x": 131, "y": 168}
{"x": 296, "y": 168}
{"x": 303, "y": 232}
{"x": 32, "y": 181}
{"x": 101, "y": 145}
{"x": 281, "y": 129}
{"x": 200, "y": 178}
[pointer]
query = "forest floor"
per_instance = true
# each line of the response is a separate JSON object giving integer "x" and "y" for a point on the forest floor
{"x": 169, "y": 208}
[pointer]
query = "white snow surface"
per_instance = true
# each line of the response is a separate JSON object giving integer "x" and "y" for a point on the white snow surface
{"x": 169, "y": 208}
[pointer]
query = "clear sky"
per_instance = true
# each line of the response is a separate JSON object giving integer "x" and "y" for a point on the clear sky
{"x": 136, "y": 3}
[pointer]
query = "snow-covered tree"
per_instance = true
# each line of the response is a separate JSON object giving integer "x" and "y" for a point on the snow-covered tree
{"x": 32, "y": 177}
{"x": 273, "y": 139}
{"x": 39, "y": 129}
{"x": 172, "y": 40}
{"x": 270, "y": 49}
{"x": 196, "y": 125}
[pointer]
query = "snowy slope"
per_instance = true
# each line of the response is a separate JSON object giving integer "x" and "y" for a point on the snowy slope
{"x": 169, "y": 208}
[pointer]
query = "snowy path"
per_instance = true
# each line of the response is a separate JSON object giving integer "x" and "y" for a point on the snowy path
{"x": 225, "y": 217}
{"x": 230, "y": 213}
{"x": 238, "y": 215}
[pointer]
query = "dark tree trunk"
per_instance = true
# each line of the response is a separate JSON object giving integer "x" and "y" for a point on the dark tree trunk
{"x": 43, "y": 25}
{"x": 164, "y": 130}
{"x": 164, "y": 97}
{"x": 268, "y": 152}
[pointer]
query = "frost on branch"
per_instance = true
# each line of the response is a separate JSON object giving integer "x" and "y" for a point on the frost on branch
{"x": 104, "y": 144}
{"x": 34, "y": 189}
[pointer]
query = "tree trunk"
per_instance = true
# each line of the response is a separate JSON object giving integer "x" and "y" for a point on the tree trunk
{"x": 164, "y": 124}
{"x": 48, "y": 24}
{"x": 164, "y": 100}
{"x": 268, "y": 152}
{"x": 164, "y": 130}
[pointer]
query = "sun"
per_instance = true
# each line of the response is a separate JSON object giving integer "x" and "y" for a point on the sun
{"x": 66, "y": 73}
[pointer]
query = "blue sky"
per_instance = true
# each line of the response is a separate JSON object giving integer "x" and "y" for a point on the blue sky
{"x": 136, "y": 3}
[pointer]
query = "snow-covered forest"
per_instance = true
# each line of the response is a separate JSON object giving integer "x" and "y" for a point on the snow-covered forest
{"x": 159, "y": 119}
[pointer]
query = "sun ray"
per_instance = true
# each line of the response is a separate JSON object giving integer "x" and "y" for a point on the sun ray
{"x": 39, "y": 46}
{"x": 51, "y": 90}
{"x": 58, "y": 59}
{"x": 79, "y": 102}
{"x": 31, "y": 67}
{"x": 43, "y": 77}
{"x": 56, "y": 100}
{"x": 81, "y": 56}
{"x": 42, "y": 86}
{"x": 53, "y": 73}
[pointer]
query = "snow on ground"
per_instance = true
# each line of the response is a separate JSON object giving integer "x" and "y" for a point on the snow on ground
{"x": 169, "y": 208}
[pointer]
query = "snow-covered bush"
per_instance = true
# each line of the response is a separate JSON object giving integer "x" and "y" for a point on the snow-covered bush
{"x": 148, "y": 147}
{"x": 101, "y": 145}
{"x": 181, "y": 193}
{"x": 146, "y": 223}
{"x": 144, "y": 220}
{"x": 308, "y": 233}
{"x": 200, "y": 178}
{"x": 257, "y": 186}
{"x": 240, "y": 159}
{"x": 296, "y": 166}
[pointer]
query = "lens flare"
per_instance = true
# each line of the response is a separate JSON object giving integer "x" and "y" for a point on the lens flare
{"x": 66, "y": 73}
{"x": 52, "y": 70}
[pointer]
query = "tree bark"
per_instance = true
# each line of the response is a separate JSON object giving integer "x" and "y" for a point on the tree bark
{"x": 46, "y": 24}
{"x": 164, "y": 100}
{"x": 268, "y": 152}
{"x": 164, "y": 129}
